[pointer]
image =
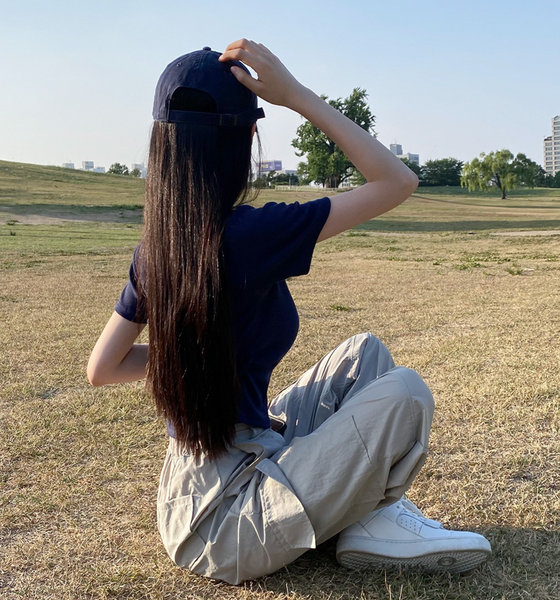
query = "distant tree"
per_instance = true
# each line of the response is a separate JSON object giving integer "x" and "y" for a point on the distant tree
{"x": 444, "y": 171}
{"x": 501, "y": 169}
{"x": 325, "y": 162}
{"x": 303, "y": 174}
{"x": 264, "y": 180}
{"x": 548, "y": 180}
{"x": 528, "y": 171}
{"x": 542, "y": 178}
{"x": 118, "y": 169}
{"x": 135, "y": 173}
{"x": 285, "y": 179}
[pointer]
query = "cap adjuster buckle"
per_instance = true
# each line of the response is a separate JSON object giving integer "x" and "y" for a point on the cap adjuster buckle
{"x": 227, "y": 120}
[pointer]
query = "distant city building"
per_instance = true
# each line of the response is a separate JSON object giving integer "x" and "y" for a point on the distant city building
{"x": 551, "y": 148}
{"x": 140, "y": 167}
{"x": 396, "y": 149}
{"x": 270, "y": 165}
{"x": 67, "y": 165}
{"x": 413, "y": 158}
{"x": 87, "y": 165}
{"x": 98, "y": 169}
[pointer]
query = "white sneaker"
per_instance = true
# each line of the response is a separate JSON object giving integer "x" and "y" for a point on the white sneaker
{"x": 400, "y": 536}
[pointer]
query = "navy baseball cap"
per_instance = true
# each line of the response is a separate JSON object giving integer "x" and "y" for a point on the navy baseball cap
{"x": 236, "y": 105}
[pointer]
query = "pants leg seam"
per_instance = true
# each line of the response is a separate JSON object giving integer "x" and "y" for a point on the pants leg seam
{"x": 410, "y": 399}
{"x": 367, "y": 453}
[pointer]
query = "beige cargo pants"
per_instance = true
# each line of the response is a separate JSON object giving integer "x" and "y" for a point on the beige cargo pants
{"x": 356, "y": 435}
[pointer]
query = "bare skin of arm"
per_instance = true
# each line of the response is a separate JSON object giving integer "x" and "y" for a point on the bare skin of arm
{"x": 115, "y": 357}
{"x": 389, "y": 181}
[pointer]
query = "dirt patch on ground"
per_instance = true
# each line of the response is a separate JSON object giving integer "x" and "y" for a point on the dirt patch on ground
{"x": 528, "y": 233}
{"x": 60, "y": 217}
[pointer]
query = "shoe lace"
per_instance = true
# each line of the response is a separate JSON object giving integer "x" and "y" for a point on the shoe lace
{"x": 411, "y": 507}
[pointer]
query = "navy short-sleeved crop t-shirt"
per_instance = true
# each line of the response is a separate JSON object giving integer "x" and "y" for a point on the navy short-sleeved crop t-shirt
{"x": 263, "y": 247}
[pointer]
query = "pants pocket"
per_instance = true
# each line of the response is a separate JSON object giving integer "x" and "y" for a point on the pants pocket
{"x": 174, "y": 519}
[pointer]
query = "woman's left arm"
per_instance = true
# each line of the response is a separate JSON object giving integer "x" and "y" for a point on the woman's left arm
{"x": 115, "y": 357}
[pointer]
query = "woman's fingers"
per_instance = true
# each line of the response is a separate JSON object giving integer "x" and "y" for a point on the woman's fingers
{"x": 274, "y": 83}
{"x": 241, "y": 43}
{"x": 236, "y": 54}
{"x": 246, "y": 79}
{"x": 244, "y": 50}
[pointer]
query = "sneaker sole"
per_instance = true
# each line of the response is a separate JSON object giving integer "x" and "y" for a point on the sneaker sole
{"x": 458, "y": 561}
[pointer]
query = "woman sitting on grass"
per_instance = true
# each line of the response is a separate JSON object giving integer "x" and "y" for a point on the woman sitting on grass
{"x": 247, "y": 488}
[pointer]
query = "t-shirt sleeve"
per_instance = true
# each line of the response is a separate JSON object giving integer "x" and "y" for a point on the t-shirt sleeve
{"x": 277, "y": 240}
{"x": 127, "y": 306}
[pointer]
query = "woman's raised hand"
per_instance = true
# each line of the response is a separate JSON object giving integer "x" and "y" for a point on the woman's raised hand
{"x": 275, "y": 83}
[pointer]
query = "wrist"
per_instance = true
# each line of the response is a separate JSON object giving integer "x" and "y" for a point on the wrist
{"x": 301, "y": 99}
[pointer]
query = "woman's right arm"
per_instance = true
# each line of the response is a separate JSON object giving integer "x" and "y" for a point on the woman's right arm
{"x": 389, "y": 181}
{"x": 115, "y": 357}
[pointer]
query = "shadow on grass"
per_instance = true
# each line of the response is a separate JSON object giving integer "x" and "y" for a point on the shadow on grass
{"x": 525, "y": 564}
{"x": 113, "y": 213}
{"x": 522, "y": 203}
{"x": 459, "y": 226}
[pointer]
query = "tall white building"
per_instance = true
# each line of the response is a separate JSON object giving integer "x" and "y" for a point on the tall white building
{"x": 413, "y": 158}
{"x": 396, "y": 149}
{"x": 551, "y": 148}
{"x": 140, "y": 167}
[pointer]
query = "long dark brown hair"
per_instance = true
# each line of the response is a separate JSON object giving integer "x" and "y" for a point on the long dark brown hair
{"x": 196, "y": 174}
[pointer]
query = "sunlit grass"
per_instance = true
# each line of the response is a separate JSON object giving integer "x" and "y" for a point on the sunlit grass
{"x": 475, "y": 313}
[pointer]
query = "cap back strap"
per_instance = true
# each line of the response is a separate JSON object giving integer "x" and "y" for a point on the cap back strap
{"x": 247, "y": 117}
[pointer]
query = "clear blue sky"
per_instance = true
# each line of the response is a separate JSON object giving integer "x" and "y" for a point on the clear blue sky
{"x": 444, "y": 78}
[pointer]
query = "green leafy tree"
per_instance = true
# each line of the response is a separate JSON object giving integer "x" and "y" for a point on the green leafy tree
{"x": 118, "y": 169}
{"x": 549, "y": 180}
{"x": 264, "y": 180}
{"x": 259, "y": 183}
{"x": 135, "y": 173}
{"x": 443, "y": 171}
{"x": 285, "y": 179}
{"x": 325, "y": 162}
{"x": 501, "y": 169}
{"x": 528, "y": 171}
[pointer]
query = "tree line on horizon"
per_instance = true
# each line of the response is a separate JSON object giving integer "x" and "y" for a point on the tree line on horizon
{"x": 118, "y": 169}
{"x": 325, "y": 163}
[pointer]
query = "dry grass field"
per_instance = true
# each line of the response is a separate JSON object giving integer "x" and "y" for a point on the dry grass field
{"x": 475, "y": 311}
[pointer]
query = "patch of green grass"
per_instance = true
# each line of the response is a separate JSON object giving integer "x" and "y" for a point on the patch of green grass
{"x": 25, "y": 184}
{"x": 67, "y": 239}
{"x": 340, "y": 307}
{"x": 355, "y": 233}
{"x": 458, "y": 192}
